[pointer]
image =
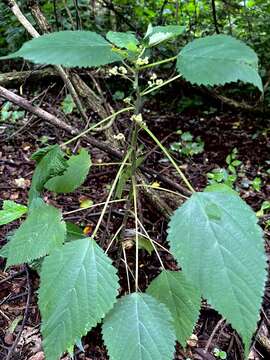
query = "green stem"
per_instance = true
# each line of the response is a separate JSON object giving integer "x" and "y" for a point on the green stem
{"x": 166, "y": 152}
{"x": 161, "y": 85}
{"x": 136, "y": 233}
{"x": 158, "y": 63}
{"x": 111, "y": 192}
{"x": 96, "y": 125}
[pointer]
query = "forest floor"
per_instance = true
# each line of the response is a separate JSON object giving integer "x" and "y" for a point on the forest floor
{"x": 221, "y": 130}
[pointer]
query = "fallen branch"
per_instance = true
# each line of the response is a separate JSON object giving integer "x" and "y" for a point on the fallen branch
{"x": 52, "y": 119}
{"x": 21, "y": 77}
{"x": 32, "y": 31}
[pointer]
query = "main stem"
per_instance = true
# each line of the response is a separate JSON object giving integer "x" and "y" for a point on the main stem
{"x": 133, "y": 160}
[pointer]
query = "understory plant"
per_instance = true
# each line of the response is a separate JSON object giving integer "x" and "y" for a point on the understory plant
{"x": 213, "y": 235}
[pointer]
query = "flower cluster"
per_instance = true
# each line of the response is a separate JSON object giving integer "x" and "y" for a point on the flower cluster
{"x": 121, "y": 70}
{"x": 119, "y": 136}
{"x": 154, "y": 81}
{"x": 142, "y": 61}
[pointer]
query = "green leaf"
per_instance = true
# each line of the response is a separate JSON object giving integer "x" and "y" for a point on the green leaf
{"x": 71, "y": 304}
{"x": 125, "y": 40}
{"x": 158, "y": 34}
{"x": 181, "y": 298}
{"x": 74, "y": 232}
{"x": 51, "y": 162}
{"x": 216, "y": 239}
{"x": 39, "y": 234}
{"x": 11, "y": 211}
{"x": 68, "y": 48}
{"x": 139, "y": 328}
{"x": 145, "y": 244}
{"x": 74, "y": 175}
{"x": 41, "y": 152}
{"x": 68, "y": 104}
{"x": 217, "y": 60}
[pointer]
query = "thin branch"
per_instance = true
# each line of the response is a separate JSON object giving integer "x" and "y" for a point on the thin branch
{"x": 13, "y": 347}
{"x": 214, "y": 13}
{"x": 33, "y": 32}
{"x": 218, "y": 325}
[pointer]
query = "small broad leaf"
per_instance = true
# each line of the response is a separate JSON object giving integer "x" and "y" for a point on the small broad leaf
{"x": 75, "y": 174}
{"x": 158, "y": 34}
{"x": 181, "y": 298}
{"x": 125, "y": 40}
{"x": 217, "y": 60}
{"x": 74, "y": 232}
{"x": 51, "y": 162}
{"x": 139, "y": 328}
{"x": 39, "y": 234}
{"x": 71, "y": 304}
{"x": 68, "y": 104}
{"x": 68, "y": 48}
{"x": 11, "y": 211}
{"x": 145, "y": 244}
{"x": 216, "y": 239}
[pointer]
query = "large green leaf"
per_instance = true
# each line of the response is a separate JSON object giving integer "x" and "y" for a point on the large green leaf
{"x": 216, "y": 239}
{"x": 125, "y": 40}
{"x": 217, "y": 60}
{"x": 181, "y": 298}
{"x": 78, "y": 287}
{"x": 158, "y": 34}
{"x": 75, "y": 174}
{"x": 11, "y": 211}
{"x": 50, "y": 162}
{"x": 139, "y": 328}
{"x": 39, "y": 234}
{"x": 68, "y": 48}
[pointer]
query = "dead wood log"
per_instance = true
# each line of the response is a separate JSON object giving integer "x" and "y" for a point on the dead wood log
{"x": 20, "y": 77}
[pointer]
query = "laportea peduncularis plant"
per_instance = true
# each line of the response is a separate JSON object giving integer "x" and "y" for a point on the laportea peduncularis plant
{"x": 214, "y": 235}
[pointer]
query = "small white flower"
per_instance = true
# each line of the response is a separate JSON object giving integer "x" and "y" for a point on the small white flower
{"x": 127, "y": 100}
{"x": 153, "y": 76}
{"x": 123, "y": 70}
{"x": 119, "y": 136}
{"x": 113, "y": 71}
{"x": 159, "y": 82}
{"x": 137, "y": 118}
{"x": 142, "y": 61}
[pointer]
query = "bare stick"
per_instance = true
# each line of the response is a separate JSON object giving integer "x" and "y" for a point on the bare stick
{"x": 33, "y": 32}
{"x": 219, "y": 323}
{"x": 13, "y": 347}
{"x": 25, "y": 104}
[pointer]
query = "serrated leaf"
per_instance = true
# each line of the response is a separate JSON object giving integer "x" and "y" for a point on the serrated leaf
{"x": 139, "y": 328}
{"x": 216, "y": 239}
{"x": 125, "y": 40}
{"x": 68, "y": 48}
{"x": 51, "y": 163}
{"x": 71, "y": 304}
{"x": 11, "y": 211}
{"x": 217, "y": 60}
{"x": 40, "y": 153}
{"x": 75, "y": 174}
{"x": 158, "y": 34}
{"x": 181, "y": 298}
{"x": 41, "y": 232}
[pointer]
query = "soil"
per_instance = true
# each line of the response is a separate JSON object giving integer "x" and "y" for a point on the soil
{"x": 221, "y": 129}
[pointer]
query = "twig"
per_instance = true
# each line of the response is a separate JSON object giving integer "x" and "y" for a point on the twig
{"x": 10, "y": 277}
{"x": 219, "y": 323}
{"x": 33, "y": 32}
{"x": 25, "y": 104}
{"x": 13, "y": 347}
